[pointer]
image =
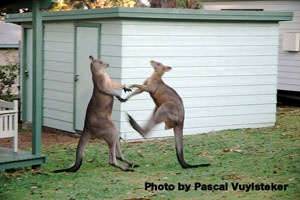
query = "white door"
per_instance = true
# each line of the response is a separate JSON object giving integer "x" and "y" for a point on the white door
{"x": 87, "y": 42}
{"x": 27, "y": 107}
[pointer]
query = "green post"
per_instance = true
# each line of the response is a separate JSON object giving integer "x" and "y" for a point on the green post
{"x": 37, "y": 78}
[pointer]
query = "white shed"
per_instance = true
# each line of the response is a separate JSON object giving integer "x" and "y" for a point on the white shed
{"x": 288, "y": 58}
{"x": 224, "y": 64}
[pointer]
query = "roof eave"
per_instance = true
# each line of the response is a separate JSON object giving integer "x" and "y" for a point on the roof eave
{"x": 9, "y": 46}
{"x": 156, "y": 13}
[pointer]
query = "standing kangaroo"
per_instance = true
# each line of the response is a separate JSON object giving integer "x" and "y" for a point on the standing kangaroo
{"x": 98, "y": 120}
{"x": 169, "y": 109}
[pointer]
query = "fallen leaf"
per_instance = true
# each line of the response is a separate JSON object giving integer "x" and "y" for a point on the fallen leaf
{"x": 38, "y": 172}
{"x": 238, "y": 150}
{"x": 141, "y": 155}
{"x": 13, "y": 175}
{"x": 90, "y": 160}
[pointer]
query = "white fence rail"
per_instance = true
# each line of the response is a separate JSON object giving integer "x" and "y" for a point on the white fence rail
{"x": 9, "y": 121}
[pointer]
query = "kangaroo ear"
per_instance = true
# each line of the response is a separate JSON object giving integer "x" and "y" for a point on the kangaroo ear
{"x": 91, "y": 58}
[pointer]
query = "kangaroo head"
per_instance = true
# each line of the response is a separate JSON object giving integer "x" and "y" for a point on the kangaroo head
{"x": 98, "y": 64}
{"x": 158, "y": 67}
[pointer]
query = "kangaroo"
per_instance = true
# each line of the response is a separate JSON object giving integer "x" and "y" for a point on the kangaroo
{"x": 98, "y": 120}
{"x": 169, "y": 109}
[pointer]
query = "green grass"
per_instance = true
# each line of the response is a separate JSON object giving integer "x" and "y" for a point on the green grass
{"x": 265, "y": 155}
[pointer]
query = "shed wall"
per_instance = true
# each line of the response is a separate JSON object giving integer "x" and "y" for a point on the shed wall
{"x": 289, "y": 63}
{"x": 226, "y": 73}
{"x": 58, "y": 107}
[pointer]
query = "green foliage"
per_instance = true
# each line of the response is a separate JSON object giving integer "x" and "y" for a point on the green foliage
{"x": 8, "y": 77}
{"x": 190, "y": 4}
{"x": 61, "y": 5}
{"x": 264, "y": 155}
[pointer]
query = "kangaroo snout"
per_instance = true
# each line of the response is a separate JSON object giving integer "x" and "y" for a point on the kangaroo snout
{"x": 166, "y": 69}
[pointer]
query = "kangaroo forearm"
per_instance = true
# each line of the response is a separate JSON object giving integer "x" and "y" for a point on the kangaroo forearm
{"x": 117, "y": 85}
{"x": 108, "y": 92}
{"x": 138, "y": 91}
{"x": 142, "y": 87}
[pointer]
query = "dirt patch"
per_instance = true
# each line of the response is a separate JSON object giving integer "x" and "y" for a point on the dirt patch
{"x": 48, "y": 139}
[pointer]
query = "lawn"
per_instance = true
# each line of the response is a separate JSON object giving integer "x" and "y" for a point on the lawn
{"x": 244, "y": 156}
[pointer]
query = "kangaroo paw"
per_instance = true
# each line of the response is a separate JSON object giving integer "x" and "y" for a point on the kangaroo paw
{"x": 134, "y": 165}
{"x": 125, "y": 169}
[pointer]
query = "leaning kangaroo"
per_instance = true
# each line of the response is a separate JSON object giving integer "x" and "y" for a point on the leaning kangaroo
{"x": 169, "y": 109}
{"x": 98, "y": 121}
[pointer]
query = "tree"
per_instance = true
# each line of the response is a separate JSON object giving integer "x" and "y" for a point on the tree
{"x": 163, "y": 3}
{"x": 190, "y": 4}
{"x": 92, "y": 4}
{"x": 60, "y": 5}
{"x": 8, "y": 77}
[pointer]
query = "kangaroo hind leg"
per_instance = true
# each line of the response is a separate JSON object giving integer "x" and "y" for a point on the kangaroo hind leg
{"x": 121, "y": 157}
{"x": 112, "y": 146}
{"x": 159, "y": 115}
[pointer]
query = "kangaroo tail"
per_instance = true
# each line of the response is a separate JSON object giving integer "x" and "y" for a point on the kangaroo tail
{"x": 178, "y": 132}
{"x": 79, "y": 154}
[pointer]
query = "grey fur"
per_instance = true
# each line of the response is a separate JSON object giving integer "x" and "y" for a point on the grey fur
{"x": 98, "y": 120}
{"x": 169, "y": 109}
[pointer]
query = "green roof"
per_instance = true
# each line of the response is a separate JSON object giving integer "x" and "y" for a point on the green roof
{"x": 156, "y": 13}
{"x": 9, "y": 46}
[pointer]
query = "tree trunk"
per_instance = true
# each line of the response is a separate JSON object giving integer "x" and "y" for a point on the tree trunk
{"x": 163, "y": 3}
{"x": 190, "y": 4}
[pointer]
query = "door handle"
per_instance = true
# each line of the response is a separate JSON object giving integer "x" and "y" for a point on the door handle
{"x": 26, "y": 72}
{"x": 76, "y": 77}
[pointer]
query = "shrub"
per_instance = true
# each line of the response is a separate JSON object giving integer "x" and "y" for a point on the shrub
{"x": 8, "y": 78}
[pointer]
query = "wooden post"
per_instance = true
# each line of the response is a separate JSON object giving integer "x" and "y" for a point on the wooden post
{"x": 15, "y": 120}
{"x": 37, "y": 78}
